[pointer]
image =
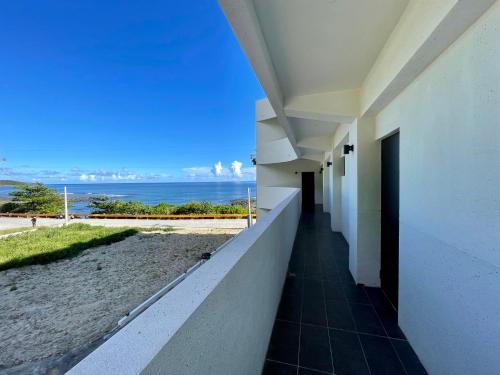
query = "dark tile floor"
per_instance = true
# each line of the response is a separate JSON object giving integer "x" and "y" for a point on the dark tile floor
{"x": 326, "y": 323}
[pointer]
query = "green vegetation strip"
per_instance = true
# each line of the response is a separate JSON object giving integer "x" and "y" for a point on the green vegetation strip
{"x": 47, "y": 244}
{"x": 13, "y": 230}
{"x": 104, "y": 205}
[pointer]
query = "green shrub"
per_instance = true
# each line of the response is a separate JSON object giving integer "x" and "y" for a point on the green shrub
{"x": 9, "y": 207}
{"x": 104, "y": 205}
{"x": 35, "y": 198}
{"x": 163, "y": 209}
{"x": 198, "y": 208}
{"x": 225, "y": 209}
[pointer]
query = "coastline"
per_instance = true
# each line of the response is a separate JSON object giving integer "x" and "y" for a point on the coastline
{"x": 150, "y": 193}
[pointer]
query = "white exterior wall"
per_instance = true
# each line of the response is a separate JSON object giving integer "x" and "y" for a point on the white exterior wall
{"x": 277, "y": 164}
{"x": 440, "y": 89}
{"x": 356, "y": 199}
{"x": 219, "y": 319}
{"x": 344, "y": 204}
{"x": 449, "y": 120}
{"x": 284, "y": 175}
{"x": 326, "y": 184}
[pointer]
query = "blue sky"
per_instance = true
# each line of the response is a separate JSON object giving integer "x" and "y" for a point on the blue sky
{"x": 119, "y": 91}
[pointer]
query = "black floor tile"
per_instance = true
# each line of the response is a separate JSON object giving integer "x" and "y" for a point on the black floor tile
{"x": 319, "y": 291}
{"x": 366, "y": 319}
{"x": 334, "y": 290}
{"x": 348, "y": 357}
{"x": 381, "y": 357}
{"x": 339, "y": 315}
{"x": 305, "y": 371}
{"x": 293, "y": 285}
{"x": 297, "y": 270}
{"x": 376, "y": 297}
{"x": 313, "y": 288}
{"x": 330, "y": 272}
{"x": 389, "y": 319}
{"x": 410, "y": 360}
{"x": 284, "y": 345}
{"x": 314, "y": 311}
{"x": 290, "y": 308}
{"x": 386, "y": 312}
{"x": 356, "y": 294}
{"x": 276, "y": 368}
{"x": 315, "y": 348}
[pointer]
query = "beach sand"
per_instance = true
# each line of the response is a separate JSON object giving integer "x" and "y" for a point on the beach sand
{"x": 48, "y": 310}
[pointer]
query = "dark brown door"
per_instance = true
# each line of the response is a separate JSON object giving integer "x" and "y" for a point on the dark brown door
{"x": 389, "y": 272}
{"x": 308, "y": 191}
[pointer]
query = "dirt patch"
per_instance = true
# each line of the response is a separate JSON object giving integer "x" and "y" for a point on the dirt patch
{"x": 48, "y": 310}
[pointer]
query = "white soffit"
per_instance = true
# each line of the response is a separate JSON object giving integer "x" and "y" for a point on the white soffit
{"x": 311, "y": 128}
{"x": 325, "y": 45}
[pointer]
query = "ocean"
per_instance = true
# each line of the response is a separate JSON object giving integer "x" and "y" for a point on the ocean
{"x": 154, "y": 193}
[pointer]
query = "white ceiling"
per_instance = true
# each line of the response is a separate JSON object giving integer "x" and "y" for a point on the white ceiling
{"x": 311, "y": 128}
{"x": 335, "y": 41}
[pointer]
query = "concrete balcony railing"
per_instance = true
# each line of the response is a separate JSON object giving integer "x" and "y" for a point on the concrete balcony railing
{"x": 271, "y": 196}
{"x": 219, "y": 319}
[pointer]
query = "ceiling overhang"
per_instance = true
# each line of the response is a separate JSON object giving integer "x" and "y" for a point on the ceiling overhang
{"x": 335, "y": 61}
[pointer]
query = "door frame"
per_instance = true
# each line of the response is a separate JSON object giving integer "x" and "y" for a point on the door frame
{"x": 313, "y": 192}
{"x": 389, "y": 223}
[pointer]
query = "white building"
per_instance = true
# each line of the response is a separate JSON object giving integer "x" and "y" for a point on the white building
{"x": 412, "y": 88}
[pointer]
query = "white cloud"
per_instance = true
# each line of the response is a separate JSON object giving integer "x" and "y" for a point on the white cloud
{"x": 87, "y": 177}
{"x": 220, "y": 173}
{"x": 236, "y": 168}
{"x": 128, "y": 176}
{"x": 218, "y": 169}
{"x": 83, "y": 175}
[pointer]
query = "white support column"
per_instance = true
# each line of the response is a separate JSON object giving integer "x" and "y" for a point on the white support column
{"x": 364, "y": 210}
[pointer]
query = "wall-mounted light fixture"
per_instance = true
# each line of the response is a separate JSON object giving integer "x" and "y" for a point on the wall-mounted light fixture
{"x": 253, "y": 159}
{"x": 348, "y": 148}
{"x": 329, "y": 163}
{"x": 321, "y": 170}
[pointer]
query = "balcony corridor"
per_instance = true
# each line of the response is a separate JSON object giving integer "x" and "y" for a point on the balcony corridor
{"x": 325, "y": 323}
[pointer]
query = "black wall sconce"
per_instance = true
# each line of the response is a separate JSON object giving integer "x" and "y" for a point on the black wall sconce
{"x": 253, "y": 159}
{"x": 348, "y": 148}
{"x": 321, "y": 170}
{"x": 329, "y": 163}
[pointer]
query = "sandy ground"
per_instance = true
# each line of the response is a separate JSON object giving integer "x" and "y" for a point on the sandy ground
{"x": 47, "y": 310}
{"x": 15, "y": 222}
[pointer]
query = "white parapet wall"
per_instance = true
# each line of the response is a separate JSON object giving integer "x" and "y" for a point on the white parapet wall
{"x": 219, "y": 319}
{"x": 270, "y": 197}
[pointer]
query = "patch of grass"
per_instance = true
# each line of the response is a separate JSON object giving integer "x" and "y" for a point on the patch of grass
{"x": 13, "y": 230}
{"x": 47, "y": 245}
